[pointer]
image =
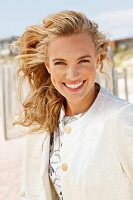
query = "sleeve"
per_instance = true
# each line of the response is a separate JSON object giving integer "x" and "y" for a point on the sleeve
{"x": 22, "y": 186}
{"x": 30, "y": 181}
{"x": 124, "y": 127}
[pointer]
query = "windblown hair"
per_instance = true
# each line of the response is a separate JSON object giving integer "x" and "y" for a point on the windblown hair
{"x": 42, "y": 106}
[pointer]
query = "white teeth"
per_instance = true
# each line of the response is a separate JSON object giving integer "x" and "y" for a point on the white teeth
{"x": 73, "y": 86}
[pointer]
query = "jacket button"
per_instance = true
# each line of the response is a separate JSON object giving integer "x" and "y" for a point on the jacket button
{"x": 64, "y": 166}
{"x": 68, "y": 129}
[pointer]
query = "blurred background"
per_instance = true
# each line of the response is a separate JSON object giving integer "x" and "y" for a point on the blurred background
{"x": 114, "y": 17}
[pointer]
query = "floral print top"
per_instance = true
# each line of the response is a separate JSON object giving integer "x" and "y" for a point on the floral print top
{"x": 56, "y": 143}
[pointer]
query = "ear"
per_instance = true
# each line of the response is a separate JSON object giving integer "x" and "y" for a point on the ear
{"x": 97, "y": 61}
{"x": 47, "y": 67}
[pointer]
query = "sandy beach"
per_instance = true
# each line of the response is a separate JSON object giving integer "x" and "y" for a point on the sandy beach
{"x": 11, "y": 153}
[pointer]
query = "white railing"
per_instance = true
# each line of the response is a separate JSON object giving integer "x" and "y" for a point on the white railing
{"x": 8, "y": 100}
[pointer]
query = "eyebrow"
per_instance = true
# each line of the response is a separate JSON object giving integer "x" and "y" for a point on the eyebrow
{"x": 86, "y": 56}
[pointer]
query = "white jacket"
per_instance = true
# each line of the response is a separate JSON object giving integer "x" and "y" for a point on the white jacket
{"x": 98, "y": 153}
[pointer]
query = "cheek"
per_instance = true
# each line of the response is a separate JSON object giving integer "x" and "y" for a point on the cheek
{"x": 56, "y": 76}
{"x": 91, "y": 72}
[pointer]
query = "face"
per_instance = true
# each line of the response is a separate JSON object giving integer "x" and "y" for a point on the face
{"x": 72, "y": 64}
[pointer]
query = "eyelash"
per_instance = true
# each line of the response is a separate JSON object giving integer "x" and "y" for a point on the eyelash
{"x": 84, "y": 61}
{"x": 58, "y": 63}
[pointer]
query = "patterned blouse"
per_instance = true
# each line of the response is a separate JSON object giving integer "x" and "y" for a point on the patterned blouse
{"x": 56, "y": 143}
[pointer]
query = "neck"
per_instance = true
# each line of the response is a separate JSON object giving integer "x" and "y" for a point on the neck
{"x": 77, "y": 107}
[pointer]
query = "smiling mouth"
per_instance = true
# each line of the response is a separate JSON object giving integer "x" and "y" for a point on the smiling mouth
{"x": 74, "y": 86}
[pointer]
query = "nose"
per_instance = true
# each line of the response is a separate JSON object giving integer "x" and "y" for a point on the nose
{"x": 72, "y": 73}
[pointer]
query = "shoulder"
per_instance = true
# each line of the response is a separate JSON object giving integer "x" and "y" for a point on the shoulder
{"x": 124, "y": 118}
{"x": 113, "y": 103}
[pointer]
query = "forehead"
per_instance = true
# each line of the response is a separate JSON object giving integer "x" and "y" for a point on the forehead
{"x": 76, "y": 44}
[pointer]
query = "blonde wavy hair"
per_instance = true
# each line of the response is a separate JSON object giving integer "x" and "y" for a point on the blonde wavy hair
{"x": 42, "y": 106}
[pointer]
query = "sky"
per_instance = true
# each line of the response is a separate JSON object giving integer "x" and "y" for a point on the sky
{"x": 115, "y": 17}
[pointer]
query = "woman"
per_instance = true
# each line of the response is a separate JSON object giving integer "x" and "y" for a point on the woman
{"x": 80, "y": 143}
